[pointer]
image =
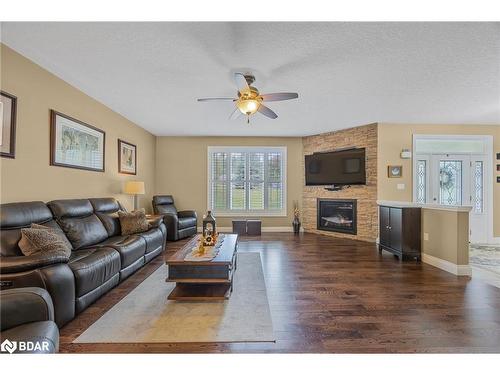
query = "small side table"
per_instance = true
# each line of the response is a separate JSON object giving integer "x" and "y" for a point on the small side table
{"x": 254, "y": 227}
{"x": 240, "y": 227}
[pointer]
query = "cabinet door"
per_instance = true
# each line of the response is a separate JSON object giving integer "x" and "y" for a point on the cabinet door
{"x": 396, "y": 228}
{"x": 384, "y": 223}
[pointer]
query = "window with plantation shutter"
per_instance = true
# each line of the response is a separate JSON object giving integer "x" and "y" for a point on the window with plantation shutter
{"x": 247, "y": 181}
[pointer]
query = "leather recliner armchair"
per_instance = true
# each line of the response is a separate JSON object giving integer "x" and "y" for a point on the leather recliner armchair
{"x": 27, "y": 315}
{"x": 180, "y": 224}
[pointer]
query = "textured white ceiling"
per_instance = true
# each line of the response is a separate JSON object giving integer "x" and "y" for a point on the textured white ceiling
{"x": 346, "y": 74}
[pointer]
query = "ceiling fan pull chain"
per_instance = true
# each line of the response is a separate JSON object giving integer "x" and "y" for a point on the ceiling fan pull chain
{"x": 248, "y": 119}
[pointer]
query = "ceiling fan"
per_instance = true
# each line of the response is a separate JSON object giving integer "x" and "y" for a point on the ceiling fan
{"x": 249, "y": 99}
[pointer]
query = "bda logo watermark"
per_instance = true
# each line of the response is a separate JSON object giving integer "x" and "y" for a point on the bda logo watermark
{"x": 8, "y": 346}
{"x": 23, "y": 346}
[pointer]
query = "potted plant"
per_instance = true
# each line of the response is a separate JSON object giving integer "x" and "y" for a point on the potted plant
{"x": 296, "y": 217}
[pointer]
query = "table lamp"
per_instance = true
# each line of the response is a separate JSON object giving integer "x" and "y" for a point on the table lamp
{"x": 134, "y": 188}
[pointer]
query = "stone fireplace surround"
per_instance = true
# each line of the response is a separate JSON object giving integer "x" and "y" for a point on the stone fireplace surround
{"x": 365, "y": 195}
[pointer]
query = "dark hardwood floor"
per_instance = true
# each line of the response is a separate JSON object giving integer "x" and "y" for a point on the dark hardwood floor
{"x": 339, "y": 296}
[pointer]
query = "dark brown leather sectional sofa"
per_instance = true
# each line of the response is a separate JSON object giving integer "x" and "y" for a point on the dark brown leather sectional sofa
{"x": 101, "y": 256}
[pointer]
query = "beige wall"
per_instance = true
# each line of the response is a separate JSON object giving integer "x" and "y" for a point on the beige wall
{"x": 182, "y": 171}
{"x": 392, "y": 138}
{"x": 447, "y": 235}
{"x": 29, "y": 176}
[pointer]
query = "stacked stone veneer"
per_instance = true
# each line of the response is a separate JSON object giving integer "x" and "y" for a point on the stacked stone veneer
{"x": 366, "y": 195}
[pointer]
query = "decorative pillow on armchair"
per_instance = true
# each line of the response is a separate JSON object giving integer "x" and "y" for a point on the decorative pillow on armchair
{"x": 133, "y": 222}
{"x": 43, "y": 239}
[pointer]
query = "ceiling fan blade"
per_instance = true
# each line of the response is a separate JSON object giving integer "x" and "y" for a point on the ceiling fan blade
{"x": 241, "y": 82}
{"x": 267, "y": 111}
{"x": 236, "y": 114}
{"x": 279, "y": 96}
{"x": 216, "y": 99}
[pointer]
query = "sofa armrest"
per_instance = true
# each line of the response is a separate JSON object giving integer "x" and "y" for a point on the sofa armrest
{"x": 154, "y": 222}
{"x": 25, "y": 305}
{"x": 26, "y": 263}
{"x": 170, "y": 219}
{"x": 187, "y": 213}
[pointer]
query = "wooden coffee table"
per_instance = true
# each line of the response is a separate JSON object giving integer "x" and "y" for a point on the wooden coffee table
{"x": 206, "y": 280}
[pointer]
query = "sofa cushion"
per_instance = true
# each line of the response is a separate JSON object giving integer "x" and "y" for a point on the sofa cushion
{"x": 77, "y": 219}
{"x": 14, "y": 216}
{"x": 93, "y": 267}
{"x": 105, "y": 205}
{"x": 43, "y": 239}
{"x": 52, "y": 226}
{"x": 106, "y": 210}
{"x": 187, "y": 222}
{"x": 164, "y": 204}
{"x": 111, "y": 222}
{"x": 22, "y": 214}
{"x": 130, "y": 248}
{"x": 163, "y": 199}
{"x": 153, "y": 238}
{"x": 133, "y": 222}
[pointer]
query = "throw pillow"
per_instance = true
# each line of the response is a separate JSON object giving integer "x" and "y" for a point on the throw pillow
{"x": 133, "y": 222}
{"x": 57, "y": 231}
{"x": 35, "y": 240}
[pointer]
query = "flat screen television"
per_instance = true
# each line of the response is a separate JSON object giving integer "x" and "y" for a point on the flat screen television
{"x": 345, "y": 167}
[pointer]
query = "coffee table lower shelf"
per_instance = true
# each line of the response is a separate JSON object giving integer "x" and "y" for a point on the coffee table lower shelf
{"x": 200, "y": 292}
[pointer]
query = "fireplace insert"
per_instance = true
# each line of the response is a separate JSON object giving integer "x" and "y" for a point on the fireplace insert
{"x": 337, "y": 215}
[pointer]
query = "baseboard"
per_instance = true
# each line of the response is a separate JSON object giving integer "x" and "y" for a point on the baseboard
{"x": 264, "y": 229}
{"x": 495, "y": 240}
{"x": 456, "y": 269}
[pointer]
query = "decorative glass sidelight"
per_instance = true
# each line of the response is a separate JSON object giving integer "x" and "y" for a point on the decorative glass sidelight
{"x": 450, "y": 182}
{"x": 478, "y": 187}
{"x": 421, "y": 181}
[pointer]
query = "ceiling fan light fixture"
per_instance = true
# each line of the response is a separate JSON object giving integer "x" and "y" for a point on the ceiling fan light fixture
{"x": 248, "y": 106}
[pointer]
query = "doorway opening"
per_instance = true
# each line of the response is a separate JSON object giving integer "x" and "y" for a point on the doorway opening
{"x": 456, "y": 170}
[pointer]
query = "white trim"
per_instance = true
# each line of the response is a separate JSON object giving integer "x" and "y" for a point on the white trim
{"x": 287, "y": 229}
{"x": 427, "y": 205}
{"x": 279, "y": 213}
{"x": 253, "y": 213}
{"x": 456, "y": 269}
{"x": 489, "y": 176}
{"x": 495, "y": 240}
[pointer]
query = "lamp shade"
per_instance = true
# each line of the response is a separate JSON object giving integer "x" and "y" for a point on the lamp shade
{"x": 134, "y": 187}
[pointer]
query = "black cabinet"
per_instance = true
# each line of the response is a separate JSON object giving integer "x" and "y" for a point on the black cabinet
{"x": 400, "y": 231}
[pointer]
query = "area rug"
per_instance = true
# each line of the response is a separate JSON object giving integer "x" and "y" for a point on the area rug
{"x": 146, "y": 316}
{"x": 485, "y": 256}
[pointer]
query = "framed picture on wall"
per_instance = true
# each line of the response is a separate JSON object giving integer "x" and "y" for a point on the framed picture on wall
{"x": 395, "y": 171}
{"x": 8, "y": 108}
{"x": 75, "y": 144}
{"x": 127, "y": 157}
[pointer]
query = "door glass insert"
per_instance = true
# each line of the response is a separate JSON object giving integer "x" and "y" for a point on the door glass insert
{"x": 421, "y": 181}
{"x": 478, "y": 187}
{"x": 450, "y": 182}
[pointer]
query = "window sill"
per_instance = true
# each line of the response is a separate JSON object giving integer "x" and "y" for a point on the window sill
{"x": 250, "y": 214}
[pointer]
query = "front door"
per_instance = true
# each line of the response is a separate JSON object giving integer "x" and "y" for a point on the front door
{"x": 457, "y": 180}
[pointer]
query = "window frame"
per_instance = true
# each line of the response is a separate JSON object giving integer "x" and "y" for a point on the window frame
{"x": 247, "y": 212}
